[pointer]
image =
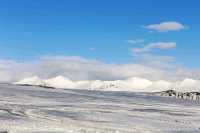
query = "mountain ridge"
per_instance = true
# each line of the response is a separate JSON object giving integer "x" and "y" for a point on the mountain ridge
{"x": 135, "y": 84}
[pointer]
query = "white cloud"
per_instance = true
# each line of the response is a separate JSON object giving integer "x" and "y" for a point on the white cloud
{"x": 166, "y": 26}
{"x": 156, "y": 45}
{"x": 78, "y": 68}
{"x": 135, "y": 41}
{"x": 156, "y": 61}
{"x": 163, "y": 45}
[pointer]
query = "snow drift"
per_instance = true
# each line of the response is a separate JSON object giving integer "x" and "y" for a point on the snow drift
{"x": 135, "y": 84}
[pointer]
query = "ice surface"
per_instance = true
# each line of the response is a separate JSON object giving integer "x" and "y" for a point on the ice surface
{"x": 29, "y": 109}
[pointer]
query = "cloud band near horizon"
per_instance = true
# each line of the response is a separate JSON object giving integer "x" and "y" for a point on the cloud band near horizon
{"x": 78, "y": 68}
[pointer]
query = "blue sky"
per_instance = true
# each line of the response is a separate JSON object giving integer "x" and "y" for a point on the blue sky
{"x": 98, "y": 29}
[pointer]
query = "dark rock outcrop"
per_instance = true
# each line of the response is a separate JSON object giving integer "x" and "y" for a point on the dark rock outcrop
{"x": 182, "y": 95}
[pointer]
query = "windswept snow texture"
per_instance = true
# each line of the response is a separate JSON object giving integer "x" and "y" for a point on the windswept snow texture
{"x": 30, "y": 109}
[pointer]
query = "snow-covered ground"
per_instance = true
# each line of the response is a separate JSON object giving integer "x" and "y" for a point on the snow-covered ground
{"x": 31, "y": 109}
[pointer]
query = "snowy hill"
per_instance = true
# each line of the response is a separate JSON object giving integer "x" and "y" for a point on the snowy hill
{"x": 134, "y": 84}
{"x": 39, "y": 110}
{"x": 131, "y": 84}
{"x": 59, "y": 82}
{"x": 31, "y": 81}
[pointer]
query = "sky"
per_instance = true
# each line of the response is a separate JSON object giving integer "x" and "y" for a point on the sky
{"x": 152, "y": 33}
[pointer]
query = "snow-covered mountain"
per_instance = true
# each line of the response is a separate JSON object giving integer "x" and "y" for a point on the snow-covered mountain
{"x": 59, "y": 82}
{"x": 135, "y": 84}
{"x": 35, "y": 80}
{"x": 131, "y": 84}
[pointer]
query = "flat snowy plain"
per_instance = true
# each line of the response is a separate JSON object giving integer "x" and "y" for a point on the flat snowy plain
{"x": 29, "y": 109}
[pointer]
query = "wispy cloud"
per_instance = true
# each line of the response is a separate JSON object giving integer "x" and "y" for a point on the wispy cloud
{"x": 166, "y": 26}
{"x": 135, "y": 41}
{"x": 155, "y": 45}
{"x": 157, "y": 61}
{"x": 92, "y": 49}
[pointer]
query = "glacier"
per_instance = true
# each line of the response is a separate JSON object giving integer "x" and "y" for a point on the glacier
{"x": 34, "y": 109}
